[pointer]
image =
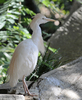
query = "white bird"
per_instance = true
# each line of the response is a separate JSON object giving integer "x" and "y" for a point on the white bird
{"x": 25, "y": 57}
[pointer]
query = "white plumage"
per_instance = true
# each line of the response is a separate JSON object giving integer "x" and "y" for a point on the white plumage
{"x": 23, "y": 61}
{"x": 25, "y": 57}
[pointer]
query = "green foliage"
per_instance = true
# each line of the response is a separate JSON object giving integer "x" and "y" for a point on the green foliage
{"x": 49, "y": 4}
{"x": 50, "y": 61}
{"x": 58, "y": 6}
{"x": 12, "y": 33}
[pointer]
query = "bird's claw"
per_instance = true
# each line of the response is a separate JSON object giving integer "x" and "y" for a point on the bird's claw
{"x": 29, "y": 94}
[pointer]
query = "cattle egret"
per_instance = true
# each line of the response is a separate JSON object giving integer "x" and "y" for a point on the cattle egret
{"x": 25, "y": 57}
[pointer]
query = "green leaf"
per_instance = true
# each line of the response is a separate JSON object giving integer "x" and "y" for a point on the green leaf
{"x": 26, "y": 33}
{"x": 1, "y": 54}
{"x": 7, "y": 49}
{"x": 12, "y": 16}
{"x": 20, "y": 0}
{"x": 14, "y": 12}
{"x": 11, "y": 21}
{"x": 50, "y": 48}
{"x": 28, "y": 11}
{"x": 2, "y": 18}
{"x": 2, "y": 24}
{"x": 7, "y": 55}
{"x": 17, "y": 37}
{"x": 46, "y": 2}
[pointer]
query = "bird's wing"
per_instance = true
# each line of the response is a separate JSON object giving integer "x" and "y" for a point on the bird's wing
{"x": 17, "y": 57}
{"x": 12, "y": 63}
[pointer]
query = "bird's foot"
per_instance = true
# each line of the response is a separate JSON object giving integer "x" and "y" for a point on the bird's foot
{"x": 32, "y": 94}
{"x": 26, "y": 88}
{"x": 29, "y": 94}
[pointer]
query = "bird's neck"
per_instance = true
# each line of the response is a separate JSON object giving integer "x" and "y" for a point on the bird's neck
{"x": 37, "y": 39}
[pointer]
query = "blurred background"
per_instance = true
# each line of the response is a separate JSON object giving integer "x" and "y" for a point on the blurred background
{"x": 15, "y": 17}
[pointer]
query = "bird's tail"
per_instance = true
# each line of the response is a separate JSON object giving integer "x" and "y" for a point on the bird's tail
{"x": 13, "y": 81}
{"x": 12, "y": 77}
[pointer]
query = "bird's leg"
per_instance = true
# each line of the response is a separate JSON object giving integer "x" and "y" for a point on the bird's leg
{"x": 26, "y": 88}
{"x": 24, "y": 85}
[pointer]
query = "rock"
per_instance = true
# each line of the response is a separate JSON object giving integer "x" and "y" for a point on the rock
{"x": 63, "y": 83}
{"x": 16, "y": 97}
{"x": 69, "y": 38}
{"x": 18, "y": 89}
{"x": 17, "y": 92}
{"x": 28, "y": 98}
{"x": 76, "y": 4}
{"x": 11, "y": 97}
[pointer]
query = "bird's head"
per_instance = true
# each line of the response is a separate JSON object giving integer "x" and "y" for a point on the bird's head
{"x": 40, "y": 19}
